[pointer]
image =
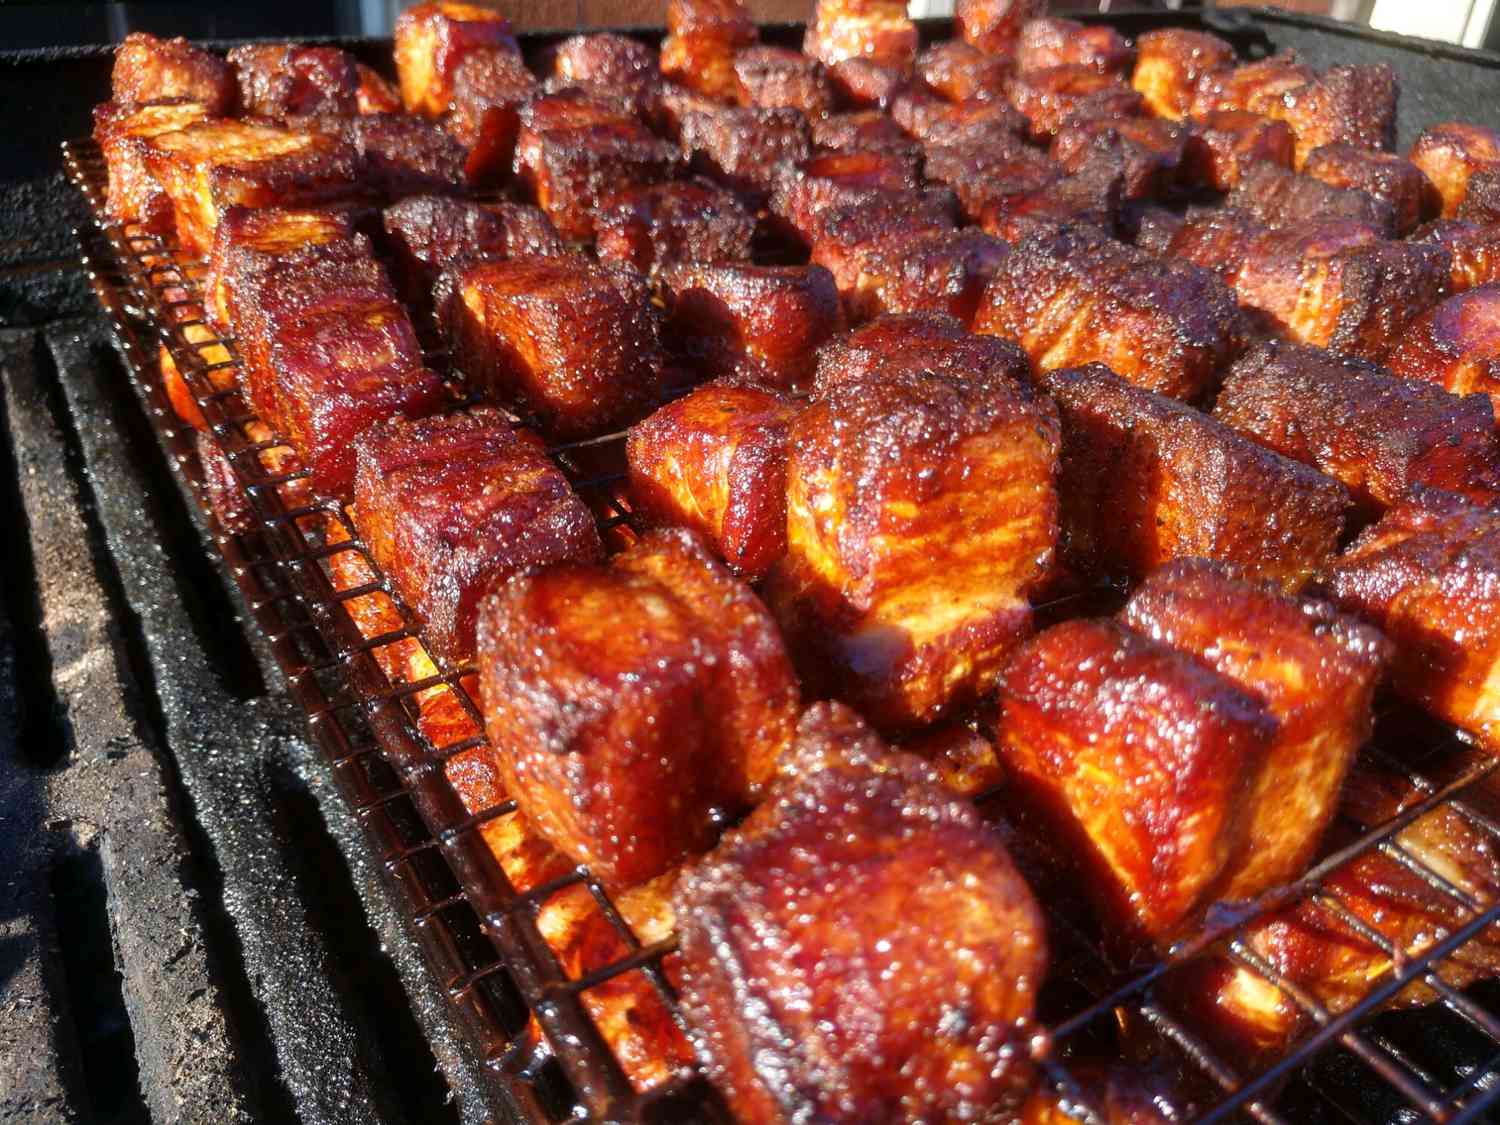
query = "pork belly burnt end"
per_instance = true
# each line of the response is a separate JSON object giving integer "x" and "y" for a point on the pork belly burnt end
{"x": 1146, "y": 479}
{"x": 605, "y": 61}
{"x": 1071, "y": 297}
{"x": 918, "y": 341}
{"x": 992, "y": 173}
{"x": 489, "y": 89}
{"x": 932, "y": 271}
{"x": 1382, "y": 175}
{"x": 848, "y": 918}
{"x": 994, "y": 26}
{"x": 780, "y": 78}
{"x": 1428, "y": 575}
{"x": 1449, "y": 154}
{"x": 865, "y": 84}
{"x": 287, "y": 79}
{"x": 1147, "y": 151}
{"x": 844, "y": 233}
{"x": 1356, "y": 422}
{"x": 939, "y": 122}
{"x": 631, "y": 704}
{"x": 1254, "y": 86}
{"x": 1346, "y": 104}
{"x": 1226, "y": 143}
{"x": 656, "y": 224}
{"x": 449, "y": 506}
{"x": 1169, "y": 63}
{"x": 1482, "y": 201}
{"x": 121, "y": 131}
{"x": 703, "y": 37}
{"x": 1279, "y": 198}
{"x": 148, "y": 69}
{"x": 743, "y": 148}
{"x": 211, "y": 166}
{"x": 1138, "y": 760}
{"x": 862, "y": 130}
{"x": 1049, "y": 41}
{"x": 877, "y": 30}
{"x": 833, "y": 179}
{"x": 374, "y": 93}
{"x": 400, "y": 154}
{"x": 920, "y": 514}
{"x": 765, "y": 323}
{"x": 715, "y": 461}
{"x": 1473, "y": 250}
{"x": 1052, "y": 98}
{"x": 958, "y": 72}
{"x": 1316, "y": 672}
{"x": 1455, "y": 344}
{"x": 252, "y": 239}
{"x": 433, "y": 39}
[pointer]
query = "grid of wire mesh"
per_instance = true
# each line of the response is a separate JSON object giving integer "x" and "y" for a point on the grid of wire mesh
{"x": 480, "y": 932}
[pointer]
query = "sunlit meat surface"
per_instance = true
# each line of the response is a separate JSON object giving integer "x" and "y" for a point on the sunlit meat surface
{"x": 780, "y": 78}
{"x": 433, "y": 39}
{"x": 148, "y": 69}
{"x": 1449, "y": 154}
{"x": 1169, "y": 63}
{"x": 1455, "y": 344}
{"x": 680, "y": 221}
{"x": 288, "y": 79}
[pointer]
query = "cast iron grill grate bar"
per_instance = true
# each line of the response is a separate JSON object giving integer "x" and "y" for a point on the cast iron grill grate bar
{"x": 480, "y": 933}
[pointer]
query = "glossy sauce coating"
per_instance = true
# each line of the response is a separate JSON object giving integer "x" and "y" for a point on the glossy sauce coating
{"x": 288, "y": 79}
{"x": 1450, "y": 154}
{"x": 1169, "y": 63}
{"x": 1455, "y": 344}
{"x": 148, "y": 69}
{"x": 654, "y": 225}
{"x": 433, "y": 39}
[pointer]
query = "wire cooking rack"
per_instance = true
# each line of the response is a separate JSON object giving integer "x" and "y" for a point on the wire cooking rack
{"x": 546, "y": 1057}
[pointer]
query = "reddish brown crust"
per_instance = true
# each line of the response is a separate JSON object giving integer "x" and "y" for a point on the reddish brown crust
{"x": 826, "y": 942}
{"x": 925, "y": 341}
{"x": 432, "y": 39}
{"x": 864, "y": 84}
{"x": 958, "y": 72}
{"x": 863, "y": 130}
{"x": 1482, "y": 201}
{"x": 133, "y": 195}
{"x": 929, "y": 271}
{"x": 148, "y": 69}
{"x": 1146, "y": 479}
{"x": 251, "y": 239}
{"x": 1345, "y": 104}
{"x": 703, "y": 37}
{"x": 1226, "y": 143}
{"x": 845, "y": 232}
{"x": 1150, "y": 151}
{"x": 992, "y": 173}
{"x": 627, "y": 704}
{"x": 375, "y": 94}
{"x": 1279, "y": 197}
{"x": 606, "y": 61}
{"x": 1473, "y": 249}
{"x": 1051, "y": 98}
{"x": 451, "y": 506}
{"x": 1049, "y": 41}
{"x": 994, "y": 26}
{"x": 939, "y": 122}
{"x": 1378, "y": 434}
{"x": 1387, "y": 177}
{"x": 765, "y": 323}
{"x": 1449, "y": 154}
{"x": 489, "y": 88}
{"x": 1455, "y": 344}
{"x": 744, "y": 148}
{"x": 1169, "y": 63}
{"x": 877, "y": 30}
{"x": 574, "y": 341}
{"x": 715, "y": 461}
{"x": 695, "y": 221}
{"x": 287, "y": 80}
{"x": 1139, "y": 758}
{"x": 832, "y": 179}
{"x": 1254, "y": 86}
{"x": 780, "y": 78}
{"x": 399, "y": 153}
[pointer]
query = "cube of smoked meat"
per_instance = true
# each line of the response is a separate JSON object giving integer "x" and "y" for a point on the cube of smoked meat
{"x": 1145, "y": 479}
{"x": 1482, "y": 201}
{"x": 432, "y": 39}
{"x": 1077, "y": 297}
{"x": 849, "y": 918}
{"x": 1138, "y": 760}
{"x": 1225, "y": 143}
{"x": 895, "y": 345}
{"x": 374, "y": 93}
{"x": 1170, "y": 61}
{"x": 1383, "y": 175}
{"x": 877, "y": 30}
{"x": 1473, "y": 250}
{"x": 399, "y": 153}
{"x": 575, "y": 342}
{"x": 920, "y": 515}
{"x": 1450, "y": 153}
{"x": 451, "y": 506}
{"x": 865, "y": 130}
{"x": 1316, "y": 672}
{"x": 681, "y": 221}
{"x": 1279, "y": 197}
{"x": 287, "y": 79}
{"x": 120, "y": 129}
{"x": 211, "y": 166}
{"x": 1048, "y": 41}
{"x": 958, "y": 72}
{"x": 631, "y": 705}
{"x": 845, "y": 232}
{"x": 605, "y": 60}
{"x": 864, "y": 84}
{"x": 1092, "y": 198}
{"x": 994, "y": 26}
{"x": 1253, "y": 86}
{"x": 780, "y": 78}
{"x": 249, "y": 239}
{"x": 148, "y": 69}
{"x": 990, "y": 173}
{"x": 744, "y": 147}
{"x": 1455, "y": 344}
{"x": 765, "y": 323}
{"x": 931, "y": 271}
{"x": 832, "y": 179}
{"x": 489, "y": 88}
{"x": 715, "y": 461}
{"x": 939, "y": 122}
{"x": 703, "y": 37}
{"x": 1356, "y": 422}
{"x": 1151, "y": 151}
{"x": 1052, "y": 98}
{"x": 1346, "y": 104}
{"x": 1115, "y": 1093}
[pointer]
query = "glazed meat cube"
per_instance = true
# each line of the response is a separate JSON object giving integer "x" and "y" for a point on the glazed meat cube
{"x": 374, "y": 94}
{"x": 1048, "y": 41}
{"x": 121, "y": 130}
{"x": 834, "y": 179}
{"x": 932, "y": 271}
{"x": 1052, "y": 98}
{"x": 1150, "y": 151}
{"x": 994, "y": 26}
{"x": 877, "y": 30}
{"x": 1427, "y": 574}
{"x": 919, "y": 341}
{"x": 715, "y": 462}
{"x": 1473, "y": 250}
{"x": 920, "y": 515}
{"x": 450, "y": 506}
{"x": 1092, "y": 199}
{"x": 489, "y": 89}
{"x": 1378, "y": 434}
{"x": 1074, "y": 297}
{"x": 1138, "y": 760}
{"x": 863, "y": 131}
{"x": 765, "y": 323}
{"x": 426, "y": 234}
{"x": 958, "y": 72}
{"x": 1226, "y": 143}
{"x": 779, "y": 78}
{"x": 939, "y": 122}
{"x": 1449, "y": 154}
{"x": 1482, "y": 201}
{"x": 630, "y": 704}
{"x": 1313, "y": 668}
{"x": 682, "y": 221}
{"x": 1347, "y": 104}
{"x": 992, "y": 173}
{"x": 399, "y": 153}
{"x": 1145, "y": 479}
{"x": 432, "y": 39}
{"x": 866, "y": 84}
{"x": 1254, "y": 86}
{"x": 148, "y": 69}
{"x": 287, "y": 80}
{"x": 1169, "y": 63}
{"x": 575, "y": 342}
{"x": 606, "y": 61}
{"x": 703, "y": 37}
{"x": 1455, "y": 344}
{"x": 211, "y": 166}
{"x": 1382, "y": 175}
{"x": 845, "y": 232}
{"x": 744, "y": 148}
{"x": 1279, "y": 198}
{"x": 251, "y": 239}
{"x": 849, "y": 918}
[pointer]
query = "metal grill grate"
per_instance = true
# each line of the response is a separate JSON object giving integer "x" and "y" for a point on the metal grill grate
{"x": 480, "y": 933}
